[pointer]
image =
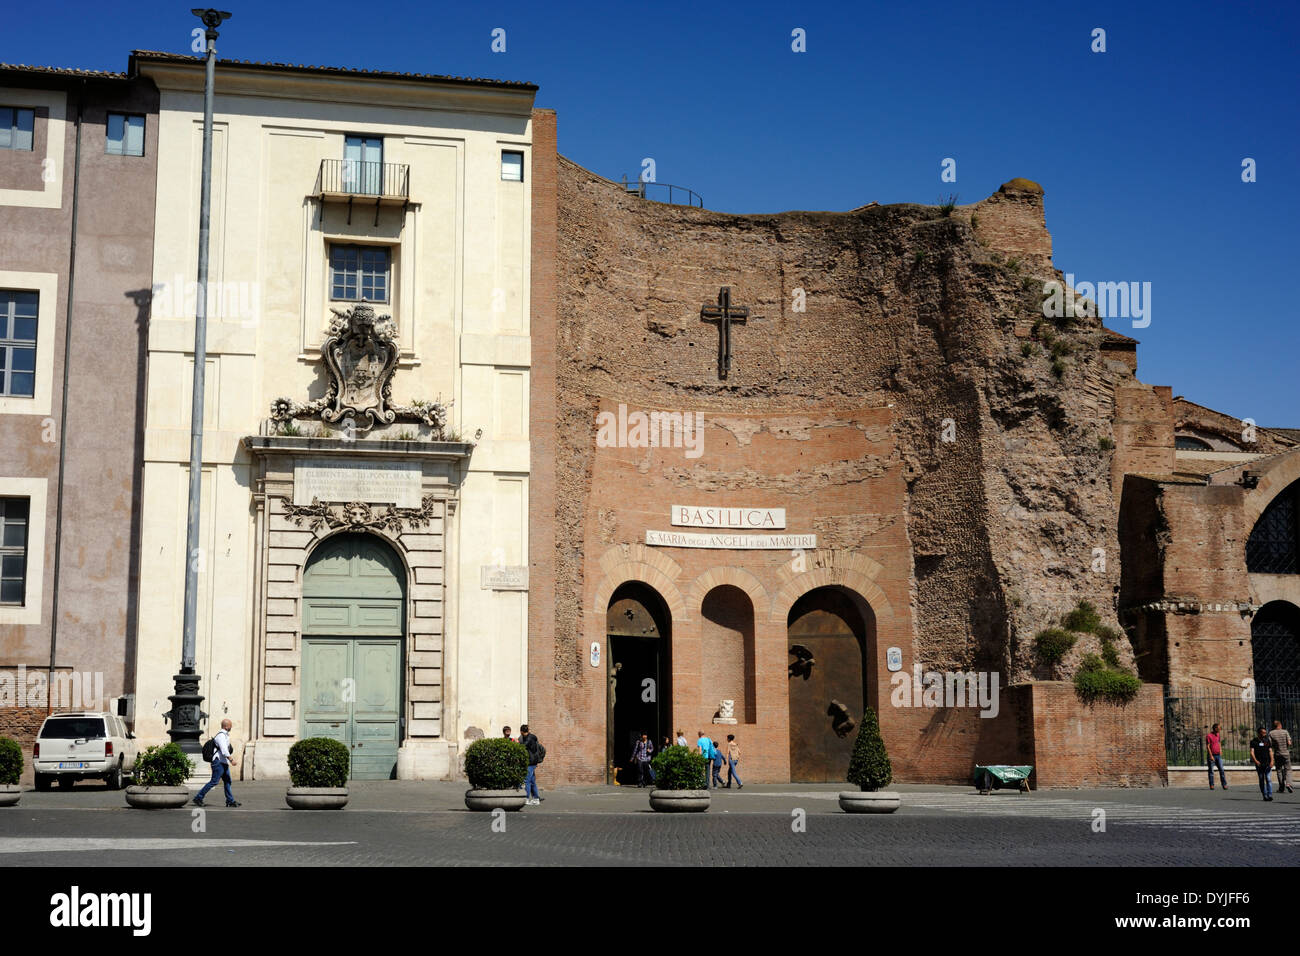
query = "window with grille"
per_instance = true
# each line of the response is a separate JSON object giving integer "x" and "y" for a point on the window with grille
{"x": 1275, "y": 649}
{"x": 13, "y": 550}
{"x": 18, "y": 311}
{"x": 1275, "y": 540}
{"x": 359, "y": 272}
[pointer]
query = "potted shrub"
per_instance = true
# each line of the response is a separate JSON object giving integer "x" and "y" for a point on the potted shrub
{"x": 496, "y": 768}
{"x": 318, "y": 770}
{"x": 160, "y": 775}
{"x": 680, "y": 782}
{"x": 11, "y": 768}
{"x": 870, "y": 771}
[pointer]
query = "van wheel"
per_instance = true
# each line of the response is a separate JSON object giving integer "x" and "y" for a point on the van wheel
{"x": 65, "y": 783}
{"x": 114, "y": 779}
{"x": 42, "y": 781}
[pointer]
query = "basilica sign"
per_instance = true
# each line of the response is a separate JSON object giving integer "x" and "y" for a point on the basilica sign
{"x": 739, "y": 542}
{"x": 754, "y": 519}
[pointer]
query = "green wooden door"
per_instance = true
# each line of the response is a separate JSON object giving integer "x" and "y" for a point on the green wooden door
{"x": 353, "y": 614}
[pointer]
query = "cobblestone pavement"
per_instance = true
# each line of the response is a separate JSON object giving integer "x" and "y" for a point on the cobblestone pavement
{"x": 425, "y": 823}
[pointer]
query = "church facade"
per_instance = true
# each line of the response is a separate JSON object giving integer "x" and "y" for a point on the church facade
{"x": 366, "y": 450}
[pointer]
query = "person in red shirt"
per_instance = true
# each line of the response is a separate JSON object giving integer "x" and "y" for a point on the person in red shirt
{"x": 1214, "y": 755}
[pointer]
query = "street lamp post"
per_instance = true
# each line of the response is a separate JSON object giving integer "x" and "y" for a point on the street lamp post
{"x": 186, "y": 710}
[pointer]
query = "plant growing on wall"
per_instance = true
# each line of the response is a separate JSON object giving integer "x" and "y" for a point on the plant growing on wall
{"x": 1053, "y": 644}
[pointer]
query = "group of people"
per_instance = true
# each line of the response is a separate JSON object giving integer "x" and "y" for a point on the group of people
{"x": 536, "y": 754}
{"x": 644, "y": 750}
{"x": 1269, "y": 750}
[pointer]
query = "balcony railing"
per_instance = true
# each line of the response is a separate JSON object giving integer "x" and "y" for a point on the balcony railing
{"x": 351, "y": 180}
{"x": 662, "y": 192}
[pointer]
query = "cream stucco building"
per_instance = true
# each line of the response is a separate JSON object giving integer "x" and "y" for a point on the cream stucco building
{"x": 357, "y": 581}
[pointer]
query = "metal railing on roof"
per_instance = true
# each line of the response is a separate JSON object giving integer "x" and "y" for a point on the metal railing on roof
{"x": 638, "y": 187}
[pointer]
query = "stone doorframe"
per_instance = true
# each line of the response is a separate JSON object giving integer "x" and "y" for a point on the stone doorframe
{"x": 424, "y": 541}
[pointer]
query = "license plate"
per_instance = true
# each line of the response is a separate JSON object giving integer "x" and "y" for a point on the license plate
{"x": 72, "y": 766}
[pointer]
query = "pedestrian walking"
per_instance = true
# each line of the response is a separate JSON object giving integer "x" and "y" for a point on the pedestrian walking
{"x": 505, "y": 732}
{"x": 733, "y": 758}
{"x": 1214, "y": 755}
{"x": 536, "y": 754}
{"x": 641, "y": 755}
{"x": 221, "y": 764}
{"x": 717, "y": 767}
{"x": 1261, "y": 755}
{"x": 1281, "y": 741}
{"x": 681, "y": 739}
{"x": 668, "y": 742}
{"x": 706, "y": 751}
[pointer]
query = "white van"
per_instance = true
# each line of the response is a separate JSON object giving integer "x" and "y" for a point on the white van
{"x": 80, "y": 746}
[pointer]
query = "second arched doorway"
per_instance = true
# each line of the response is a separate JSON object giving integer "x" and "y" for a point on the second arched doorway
{"x": 353, "y": 620}
{"x": 830, "y": 633}
{"x": 638, "y": 635}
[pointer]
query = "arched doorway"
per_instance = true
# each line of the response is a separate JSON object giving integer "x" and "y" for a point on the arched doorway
{"x": 353, "y": 620}
{"x": 638, "y": 635}
{"x": 830, "y": 631}
{"x": 727, "y": 616}
{"x": 1275, "y": 650}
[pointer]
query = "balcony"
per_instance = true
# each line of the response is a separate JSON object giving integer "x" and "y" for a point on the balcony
{"x": 358, "y": 183}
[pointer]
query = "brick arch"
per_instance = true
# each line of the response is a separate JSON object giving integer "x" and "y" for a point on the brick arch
{"x": 721, "y": 575}
{"x": 854, "y": 580}
{"x": 1272, "y": 483}
{"x": 621, "y": 566}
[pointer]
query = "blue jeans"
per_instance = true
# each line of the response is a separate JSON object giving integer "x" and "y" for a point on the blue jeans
{"x": 717, "y": 774}
{"x": 1265, "y": 781}
{"x": 530, "y": 784}
{"x": 642, "y": 768}
{"x": 731, "y": 772}
{"x": 1217, "y": 760}
{"x": 220, "y": 771}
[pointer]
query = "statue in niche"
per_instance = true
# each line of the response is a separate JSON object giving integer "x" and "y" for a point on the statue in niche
{"x": 841, "y": 721}
{"x": 803, "y": 663}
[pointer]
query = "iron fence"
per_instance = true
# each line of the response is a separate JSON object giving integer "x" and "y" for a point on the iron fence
{"x": 1189, "y": 717}
{"x": 356, "y": 178}
{"x": 676, "y": 195}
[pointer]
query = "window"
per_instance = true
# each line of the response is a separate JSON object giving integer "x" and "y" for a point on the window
{"x": 18, "y": 343}
{"x": 359, "y": 272}
{"x": 16, "y": 127}
{"x": 125, "y": 135}
{"x": 512, "y": 166}
{"x": 13, "y": 549}
{"x": 363, "y": 165}
{"x": 1188, "y": 443}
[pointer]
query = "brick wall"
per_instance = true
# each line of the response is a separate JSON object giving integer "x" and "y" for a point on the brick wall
{"x": 1104, "y": 745}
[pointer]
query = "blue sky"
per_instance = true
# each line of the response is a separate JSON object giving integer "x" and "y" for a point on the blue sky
{"x": 1139, "y": 148}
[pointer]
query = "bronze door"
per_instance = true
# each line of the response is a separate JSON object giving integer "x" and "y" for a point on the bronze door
{"x": 827, "y": 680}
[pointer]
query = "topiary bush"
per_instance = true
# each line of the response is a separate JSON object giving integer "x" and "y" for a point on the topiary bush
{"x": 1053, "y": 644}
{"x": 11, "y": 762}
{"x": 319, "y": 762}
{"x": 494, "y": 763}
{"x": 1084, "y": 619}
{"x": 679, "y": 768}
{"x": 165, "y": 766}
{"x": 869, "y": 767}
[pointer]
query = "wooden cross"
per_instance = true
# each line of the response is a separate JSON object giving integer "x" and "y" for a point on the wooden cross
{"x": 724, "y": 313}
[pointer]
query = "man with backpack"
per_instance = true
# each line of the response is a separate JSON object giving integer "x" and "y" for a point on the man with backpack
{"x": 706, "y": 751}
{"x": 217, "y": 752}
{"x": 536, "y": 754}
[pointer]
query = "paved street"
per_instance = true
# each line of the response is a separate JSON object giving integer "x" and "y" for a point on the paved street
{"x": 410, "y": 823}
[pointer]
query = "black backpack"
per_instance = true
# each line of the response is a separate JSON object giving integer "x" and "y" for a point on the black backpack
{"x": 541, "y": 752}
{"x": 210, "y": 750}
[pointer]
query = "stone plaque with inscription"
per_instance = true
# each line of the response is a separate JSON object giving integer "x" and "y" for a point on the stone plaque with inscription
{"x": 752, "y": 542}
{"x": 504, "y": 577}
{"x": 391, "y": 482}
{"x": 750, "y": 519}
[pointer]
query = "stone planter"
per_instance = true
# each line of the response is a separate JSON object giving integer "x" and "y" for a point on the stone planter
{"x": 679, "y": 801}
{"x": 316, "y": 798}
{"x": 9, "y": 794}
{"x": 483, "y": 800}
{"x": 157, "y": 798}
{"x": 869, "y": 801}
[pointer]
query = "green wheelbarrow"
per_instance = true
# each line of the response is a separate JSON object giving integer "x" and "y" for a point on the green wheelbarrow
{"x": 997, "y": 776}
